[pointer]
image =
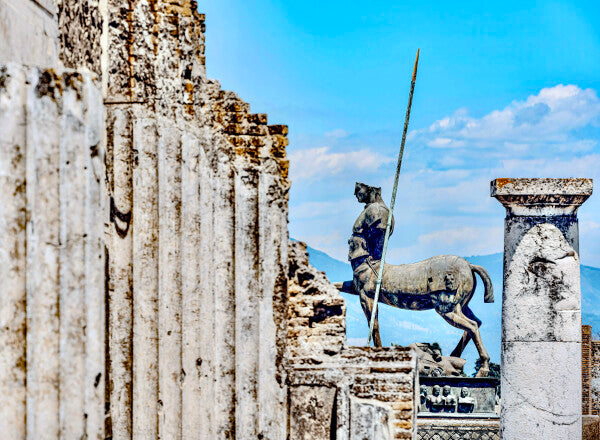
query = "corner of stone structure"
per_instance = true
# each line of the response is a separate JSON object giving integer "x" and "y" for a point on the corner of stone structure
{"x": 316, "y": 311}
{"x": 350, "y": 392}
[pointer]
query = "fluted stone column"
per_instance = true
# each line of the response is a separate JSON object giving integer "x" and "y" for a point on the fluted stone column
{"x": 541, "y": 308}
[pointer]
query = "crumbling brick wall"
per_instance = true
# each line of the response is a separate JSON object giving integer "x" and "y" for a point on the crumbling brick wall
{"x": 316, "y": 311}
{"x": 595, "y": 378}
{"x": 336, "y": 391}
{"x": 586, "y": 369}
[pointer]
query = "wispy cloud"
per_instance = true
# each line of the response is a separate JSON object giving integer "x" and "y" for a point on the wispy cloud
{"x": 409, "y": 325}
{"x": 443, "y": 203}
{"x": 548, "y": 117}
{"x": 321, "y": 163}
{"x": 337, "y": 133}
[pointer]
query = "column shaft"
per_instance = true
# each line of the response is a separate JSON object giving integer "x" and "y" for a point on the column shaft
{"x": 541, "y": 308}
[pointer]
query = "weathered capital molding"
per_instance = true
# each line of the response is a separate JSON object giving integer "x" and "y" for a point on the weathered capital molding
{"x": 541, "y": 197}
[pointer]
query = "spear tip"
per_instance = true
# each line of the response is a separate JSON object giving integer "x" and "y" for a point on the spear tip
{"x": 414, "y": 77}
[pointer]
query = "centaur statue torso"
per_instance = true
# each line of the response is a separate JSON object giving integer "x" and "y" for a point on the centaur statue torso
{"x": 445, "y": 283}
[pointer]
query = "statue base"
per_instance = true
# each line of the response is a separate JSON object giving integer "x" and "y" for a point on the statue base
{"x": 458, "y": 397}
{"x": 432, "y": 363}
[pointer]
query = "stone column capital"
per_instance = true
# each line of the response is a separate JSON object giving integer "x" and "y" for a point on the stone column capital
{"x": 541, "y": 197}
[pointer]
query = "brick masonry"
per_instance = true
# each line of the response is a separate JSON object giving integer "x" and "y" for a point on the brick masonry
{"x": 336, "y": 391}
{"x": 595, "y": 378}
{"x": 586, "y": 369}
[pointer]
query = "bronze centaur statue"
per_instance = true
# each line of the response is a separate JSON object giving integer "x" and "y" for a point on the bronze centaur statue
{"x": 445, "y": 283}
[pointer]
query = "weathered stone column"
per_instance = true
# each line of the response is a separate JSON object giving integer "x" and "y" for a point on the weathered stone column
{"x": 541, "y": 308}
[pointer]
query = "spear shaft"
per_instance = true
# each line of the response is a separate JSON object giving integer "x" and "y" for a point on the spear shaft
{"x": 391, "y": 212}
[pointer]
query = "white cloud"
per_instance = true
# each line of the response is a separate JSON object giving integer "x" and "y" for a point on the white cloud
{"x": 548, "y": 116}
{"x": 409, "y": 325}
{"x": 323, "y": 163}
{"x": 337, "y": 134}
{"x": 444, "y": 203}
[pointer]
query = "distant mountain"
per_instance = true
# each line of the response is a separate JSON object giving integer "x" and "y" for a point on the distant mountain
{"x": 336, "y": 270}
{"x": 404, "y": 327}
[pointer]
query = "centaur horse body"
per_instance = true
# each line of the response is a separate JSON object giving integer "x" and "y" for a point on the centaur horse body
{"x": 445, "y": 283}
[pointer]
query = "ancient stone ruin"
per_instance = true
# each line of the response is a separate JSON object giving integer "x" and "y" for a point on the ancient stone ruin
{"x": 541, "y": 309}
{"x": 149, "y": 288}
{"x": 144, "y": 247}
{"x": 590, "y": 383}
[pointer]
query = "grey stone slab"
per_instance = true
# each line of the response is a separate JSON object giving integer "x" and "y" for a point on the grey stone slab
{"x": 539, "y": 382}
{"x": 310, "y": 406}
{"x": 29, "y": 34}
{"x": 370, "y": 419}
{"x": 542, "y": 299}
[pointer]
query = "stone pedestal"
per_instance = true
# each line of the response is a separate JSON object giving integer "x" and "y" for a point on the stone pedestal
{"x": 458, "y": 397}
{"x": 541, "y": 308}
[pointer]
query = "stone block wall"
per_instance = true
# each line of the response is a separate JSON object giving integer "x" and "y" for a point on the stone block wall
{"x": 363, "y": 393}
{"x": 336, "y": 391}
{"x": 586, "y": 369}
{"x": 29, "y": 32}
{"x": 52, "y": 255}
{"x": 458, "y": 429}
{"x": 595, "y": 378}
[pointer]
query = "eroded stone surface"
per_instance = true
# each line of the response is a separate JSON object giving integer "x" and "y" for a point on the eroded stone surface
{"x": 52, "y": 375}
{"x": 370, "y": 419}
{"x": 591, "y": 427}
{"x": 374, "y": 388}
{"x": 541, "y": 311}
{"x": 316, "y": 310}
{"x": 542, "y": 299}
{"x": 595, "y": 377}
{"x": 444, "y": 429}
{"x": 28, "y": 31}
{"x": 525, "y": 196}
{"x": 310, "y": 408}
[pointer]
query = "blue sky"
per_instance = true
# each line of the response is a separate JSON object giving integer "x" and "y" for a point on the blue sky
{"x": 505, "y": 89}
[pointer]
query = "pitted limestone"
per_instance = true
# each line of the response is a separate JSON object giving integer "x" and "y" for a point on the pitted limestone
{"x": 541, "y": 310}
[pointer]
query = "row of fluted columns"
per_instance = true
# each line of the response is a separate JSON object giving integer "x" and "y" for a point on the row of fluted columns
{"x": 52, "y": 255}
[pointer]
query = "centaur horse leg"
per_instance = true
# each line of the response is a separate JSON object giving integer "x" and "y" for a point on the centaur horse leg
{"x": 457, "y": 319}
{"x": 466, "y": 337}
{"x": 367, "y": 305}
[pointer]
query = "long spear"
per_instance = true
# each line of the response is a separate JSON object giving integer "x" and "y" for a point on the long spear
{"x": 389, "y": 219}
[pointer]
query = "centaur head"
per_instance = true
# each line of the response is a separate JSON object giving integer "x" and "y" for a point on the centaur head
{"x": 367, "y": 194}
